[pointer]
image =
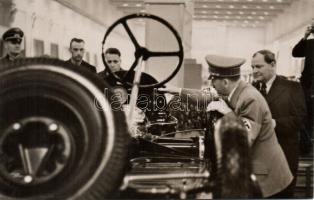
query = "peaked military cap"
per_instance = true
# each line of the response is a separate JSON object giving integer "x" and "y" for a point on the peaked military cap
{"x": 13, "y": 34}
{"x": 221, "y": 66}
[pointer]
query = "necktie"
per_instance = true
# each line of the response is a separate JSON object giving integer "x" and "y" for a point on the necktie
{"x": 262, "y": 89}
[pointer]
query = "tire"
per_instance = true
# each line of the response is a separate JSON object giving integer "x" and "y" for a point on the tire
{"x": 232, "y": 178}
{"x": 86, "y": 155}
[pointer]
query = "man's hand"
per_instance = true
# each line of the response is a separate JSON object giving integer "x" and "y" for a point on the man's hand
{"x": 307, "y": 32}
{"x": 170, "y": 89}
{"x": 220, "y": 106}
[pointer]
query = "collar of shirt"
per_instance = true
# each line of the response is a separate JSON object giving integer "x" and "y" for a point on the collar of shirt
{"x": 231, "y": 93}
{"x": 270, "y": 83}
{"x": 76, "y": 63}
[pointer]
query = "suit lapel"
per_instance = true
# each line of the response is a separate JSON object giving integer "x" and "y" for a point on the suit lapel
{"x": 275, "y": 90}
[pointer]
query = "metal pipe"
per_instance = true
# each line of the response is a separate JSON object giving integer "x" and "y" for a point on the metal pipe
{"x": 145, "y": 177}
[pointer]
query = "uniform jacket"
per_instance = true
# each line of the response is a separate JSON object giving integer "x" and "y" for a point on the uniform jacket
{"x": 287, "y": 105}
{"x": 268, "y": 161}
{"x": 85, "y": 65}
{"x": 6, "y": 59}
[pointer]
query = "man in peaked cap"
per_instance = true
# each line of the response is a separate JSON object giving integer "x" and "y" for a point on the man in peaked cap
{"x": 244, "y": 101}
{"x": 12, "y": 39}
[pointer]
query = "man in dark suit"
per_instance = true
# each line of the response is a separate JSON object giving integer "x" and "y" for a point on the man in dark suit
{"x": 77, "y": 52}
{"x": 305, "y": 48}
{"x": 12, "y": 40}
{"x": 146, "y": 96}
{"x": 244, "y": 101}
{"x": 287, "y": 105}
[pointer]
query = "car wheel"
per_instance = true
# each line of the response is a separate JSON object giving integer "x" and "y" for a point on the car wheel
{"x": 59, "y": 138}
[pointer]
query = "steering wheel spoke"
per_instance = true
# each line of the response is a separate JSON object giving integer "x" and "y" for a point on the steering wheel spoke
{"x": 128, "y": 30}
{"x": 164, "y": 54}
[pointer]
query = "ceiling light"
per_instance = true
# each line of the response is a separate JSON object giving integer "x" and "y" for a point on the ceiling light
{"x": 229, "y": 12}
{"x": 265, "y": 0}
{"x": 231, "y": 6}
{"x": 244, "y": 7}
{"x": 249, "y": 0}
{"x": 258, "y": 7}
{"x": 265, "y": 13}
{"x": 271, "y": 7}
{"x": 143, "y": 11}
{"x": 235, "y": 0}
{"x": 138, "y": 5}
{"x": 125, "y": 5}
{"x": 227, "y": 17}
{"x": 241, "y": 13}
{"x": 279, "y": 1}
{"x": 215, "y": 16}
{"x": 246, "y": 21}
{"x": 261, "y": 17}
{"x": 253, "y": 13}
{"x": 205, "y": 6}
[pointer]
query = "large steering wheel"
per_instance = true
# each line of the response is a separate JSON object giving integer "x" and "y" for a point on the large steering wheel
{"x": 142, "y": 52}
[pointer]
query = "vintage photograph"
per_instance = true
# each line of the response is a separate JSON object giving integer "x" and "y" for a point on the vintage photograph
{"x": 156, "y": 99}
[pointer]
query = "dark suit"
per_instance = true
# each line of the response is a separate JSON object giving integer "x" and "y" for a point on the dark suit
{"x": 86, "y": 65}
{"x": 268, "y": 161}
{"x": 305, "y": 48}
{"x": 287, "y": 105}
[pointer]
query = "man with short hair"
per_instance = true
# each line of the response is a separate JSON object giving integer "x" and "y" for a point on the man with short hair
{"x": 113, "y": 59}
{"x": 244, "y": 101}
{"x": 12, "y": 40}
{"x": 287, "y": 105}
{"x": 77, "y": 50}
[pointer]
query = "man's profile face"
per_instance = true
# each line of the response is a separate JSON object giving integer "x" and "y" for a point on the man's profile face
{"x": 13, "y": 47}
{"x": 113, "y": 61}
{"x": 220, "y": 85}
{"x": 77, "y": 50}
{"x": 262, "y": 71}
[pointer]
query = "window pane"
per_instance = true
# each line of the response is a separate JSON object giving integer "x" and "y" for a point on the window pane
{"x": 38, "y": 47}
{"x": 54, "y": 50}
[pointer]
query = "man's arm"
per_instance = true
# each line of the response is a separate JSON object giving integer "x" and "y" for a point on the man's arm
{"x": 297, "y": 107}
{"x": 250, "y": 112}
{"x": 299, "y": 49}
